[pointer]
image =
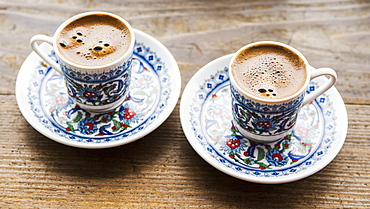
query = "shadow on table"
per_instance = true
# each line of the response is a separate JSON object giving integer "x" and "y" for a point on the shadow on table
{"x": 221, "y": 190}
{"x": 127, "y": 161}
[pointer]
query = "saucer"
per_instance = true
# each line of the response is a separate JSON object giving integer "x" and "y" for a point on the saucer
{"x": 206, "y": 119}
{"x": 154, "y": 91}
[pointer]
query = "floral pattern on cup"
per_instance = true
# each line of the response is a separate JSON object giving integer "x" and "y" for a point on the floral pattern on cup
{"x": 264, "y": 119}
{"x": 101, "y": 93}
{"x": 98, "y": 89}
{"x": 74, "y": 119}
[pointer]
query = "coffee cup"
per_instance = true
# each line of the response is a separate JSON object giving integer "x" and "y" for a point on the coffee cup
{"x": 94, "y": 53}
{"x": 268, "y": 82}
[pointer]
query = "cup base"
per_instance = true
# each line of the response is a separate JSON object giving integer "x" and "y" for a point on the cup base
{"x": 103, "y": 108}
{"x": 261, "y": 138}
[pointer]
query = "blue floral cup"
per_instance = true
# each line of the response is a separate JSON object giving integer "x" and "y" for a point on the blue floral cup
{"x": 265, "y": 120}
{"x": 94, "y": 88}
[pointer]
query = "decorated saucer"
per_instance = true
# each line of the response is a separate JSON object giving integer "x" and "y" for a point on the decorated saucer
{"x": 154, "y": 91}
{"x": 206, "y": 119}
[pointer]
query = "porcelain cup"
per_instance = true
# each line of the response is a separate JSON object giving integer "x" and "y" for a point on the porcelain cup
{"x": 93, "y": 88}
{"x": 264, "y": 120}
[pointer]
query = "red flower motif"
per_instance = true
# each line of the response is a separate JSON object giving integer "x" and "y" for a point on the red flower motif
{"x": 89, "y": 126}
{"x": 277, "y": 156}
{"x": 61, "y": 100}
{"x": 129, "y": 113}
{"x": 264, "y": 124}
{"x": 303, "y": 132}
{"x": 233, "y": 143}
{"x": 90, "y": 94}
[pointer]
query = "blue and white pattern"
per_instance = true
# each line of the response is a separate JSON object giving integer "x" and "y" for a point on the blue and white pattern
{"x": 150, "y": 92}
{"x": 210, "y": 117}
{"x": 264, "y": 119}
{"x": 98, "y": 88}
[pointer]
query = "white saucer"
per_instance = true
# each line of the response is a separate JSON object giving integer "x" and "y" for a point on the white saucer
{"x": 154, "y": 92}
{"x": 206, "y": 119}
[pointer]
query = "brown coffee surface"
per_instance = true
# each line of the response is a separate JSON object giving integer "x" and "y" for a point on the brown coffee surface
{"x": 269, "y": 71}
{"x": 94, "y": 40}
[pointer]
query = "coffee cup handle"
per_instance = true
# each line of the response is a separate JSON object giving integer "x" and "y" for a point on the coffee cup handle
{"x": 323, "y": 88}
{"x": 41, "y": 53}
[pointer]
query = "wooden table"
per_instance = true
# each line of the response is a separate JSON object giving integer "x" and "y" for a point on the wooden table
{"x": 162, "y": 169}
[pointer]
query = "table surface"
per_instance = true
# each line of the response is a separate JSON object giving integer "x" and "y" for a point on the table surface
{"x": 162, "y": 169}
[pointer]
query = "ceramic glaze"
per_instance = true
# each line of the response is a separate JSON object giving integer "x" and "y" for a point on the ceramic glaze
{"x": 43, "y": 99}
{"x": 207, "y": 121}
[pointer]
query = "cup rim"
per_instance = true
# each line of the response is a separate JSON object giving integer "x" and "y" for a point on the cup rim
{"x": 98, "y": 67}
{"x": 270, "y": 101}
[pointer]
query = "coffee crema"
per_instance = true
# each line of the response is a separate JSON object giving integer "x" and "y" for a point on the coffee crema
{"x": 269, "y": 71}
{"x": 94, "y": 40}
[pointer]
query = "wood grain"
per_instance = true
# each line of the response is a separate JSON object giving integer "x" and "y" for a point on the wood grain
{"x": 162, "y": 170}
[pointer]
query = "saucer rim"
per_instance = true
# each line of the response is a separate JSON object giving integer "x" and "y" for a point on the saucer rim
{"x": 149, "y": 41}
{"x": 212, "y": 67}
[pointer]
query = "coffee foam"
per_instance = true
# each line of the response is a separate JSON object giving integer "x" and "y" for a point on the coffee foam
{"x": 94, "y": 40}
{"x": 269, "y": 71}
